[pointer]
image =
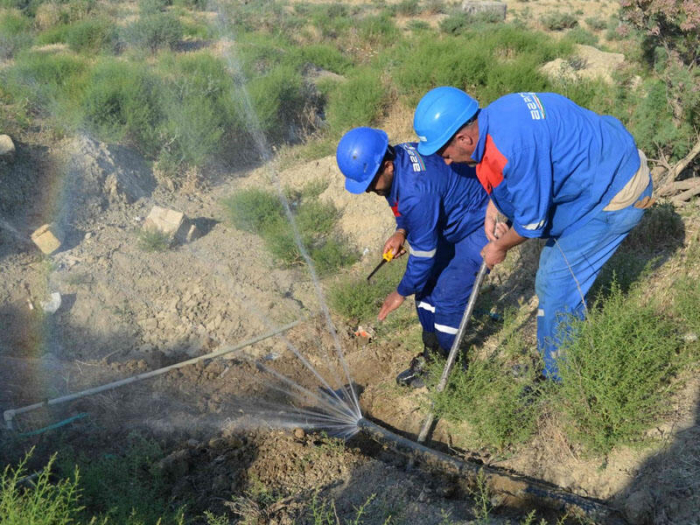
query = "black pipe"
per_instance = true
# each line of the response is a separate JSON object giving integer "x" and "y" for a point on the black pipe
{"x": 514, "y": 490}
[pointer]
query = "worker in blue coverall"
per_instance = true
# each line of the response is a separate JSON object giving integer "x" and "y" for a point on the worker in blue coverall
{"x": 557, "y": 171}
{"x": 439, "y": 210}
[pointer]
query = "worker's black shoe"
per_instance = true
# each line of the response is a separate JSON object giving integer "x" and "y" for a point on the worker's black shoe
{"x": 413, "y": 377}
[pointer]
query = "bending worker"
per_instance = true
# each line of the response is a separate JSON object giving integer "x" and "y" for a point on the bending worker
{"x": 557, "y": 171}
{"x": 439, "y": 210}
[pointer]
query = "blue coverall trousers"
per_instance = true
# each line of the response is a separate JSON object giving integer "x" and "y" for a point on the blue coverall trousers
{"x": 568, "y": 267}
{"x": 442, "y": 301}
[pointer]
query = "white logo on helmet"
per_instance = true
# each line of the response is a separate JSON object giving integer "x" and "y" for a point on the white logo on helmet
{"x": 422, "y": 138}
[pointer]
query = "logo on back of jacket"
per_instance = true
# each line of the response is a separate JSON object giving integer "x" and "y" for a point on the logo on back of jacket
{"x": 534, "y": 105}
{"x": 414, "y": 156}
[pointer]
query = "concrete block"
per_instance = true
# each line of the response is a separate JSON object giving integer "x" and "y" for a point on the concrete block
{"x": 48, "y": 238}
{"x": 7, "y": 148}
{"x": 164, "y": 220}
{"x": 474, "y": 8}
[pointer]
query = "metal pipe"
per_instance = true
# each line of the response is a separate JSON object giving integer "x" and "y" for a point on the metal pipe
{"x": 513, "y": 490}
{"x": 10, "y": 414}
{"x": 452, "y": 357}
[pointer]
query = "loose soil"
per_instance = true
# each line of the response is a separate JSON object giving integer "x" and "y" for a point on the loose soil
{"x": 225, "y": 423}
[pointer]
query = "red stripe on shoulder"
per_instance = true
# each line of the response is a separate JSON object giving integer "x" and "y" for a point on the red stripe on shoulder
{"x": 395, "y": 209}
{"x": 490, "y": 170}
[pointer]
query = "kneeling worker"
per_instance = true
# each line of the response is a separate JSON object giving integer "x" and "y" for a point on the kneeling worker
{"x": 440, "y": 211}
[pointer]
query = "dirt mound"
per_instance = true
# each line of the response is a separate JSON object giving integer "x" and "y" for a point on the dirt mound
{"x": 98, "y": 175}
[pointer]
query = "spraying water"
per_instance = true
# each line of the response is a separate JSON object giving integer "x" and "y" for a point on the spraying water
{"x": 329, "y": 407}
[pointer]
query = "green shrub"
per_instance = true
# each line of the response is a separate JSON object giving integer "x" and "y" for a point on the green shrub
{"x": 56, "y": 35}
{"x": 358, "y": 300}
{"x": 43, "y": 502}
{"x": 654, "y": 125}
{"x": 686, "y": 298}
{"x": 418, "y": 25}
{"x": 326, "y": 57}
{"x": 558, "y": 21}
{"x": 377, "y": 31}
{"x": 579, "y": 35}
{"x": 252, "y": 210}
{"x": 618, "y": 368}
{"x": 358, "y": 102}
{"x": 597, "y": 24}
{"x": 498, "y": 411}
{"x": 121, "y": 103}
{"x": 487, "y": 63}
{"x": 50, "y": 80}
{"x": 14, "y": 33}
{"x": 278, "y": 100}
{"x": 408, "y": 8}
{"x": 150, "y": 7}
{"x": 91, "y": 35}
{"x": 455, "y": 24}
{"x": 124, "y": 486}
{"x": 261, "y": 212}
{"x": 154, "y": 32}
{"x": 150, "y": 240}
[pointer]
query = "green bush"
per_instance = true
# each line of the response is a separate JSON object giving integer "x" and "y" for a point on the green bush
{"x": 278, "y": 99}
{"x": 198, "y": 109}
{"x": 124, "y": 486}
{"x": 558, "y": 21}
{"x": 253, "y": 210}
{"x": 14, "y": 33}
{"x": 150, "y": 240}
{"x": 617, "y": 368}
{"x": 579, "y": 35}
{"x": 150, "y": 7}
{"x": 487, "y": 63}
{"x": 357, "y": 299}
{"x": 91, "y": 35}
{"x": 408, "y": 7}
{"x": 43, "y": 502}
{"x": 359, "y": 101}
{"x": 261, "y": 212}
{"x": 121, "y": 103}
{"x": 375, "y": 31}
{"x": 155, "y": 31}
{"x": 499, "y": 412}
{"x": 326, "y": 57}
{"x": 597, "y": 24}
{"x": 418, "y": 25}
{"x": 50, "y": 80}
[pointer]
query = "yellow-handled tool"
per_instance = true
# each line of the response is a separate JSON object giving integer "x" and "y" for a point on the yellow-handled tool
{"x": 388, "y": 256}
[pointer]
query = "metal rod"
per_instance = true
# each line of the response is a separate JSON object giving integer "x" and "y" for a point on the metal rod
{"x": 427, "y": 423}
{"x": 510, "y": 488}
{"x": 10, "y": 414}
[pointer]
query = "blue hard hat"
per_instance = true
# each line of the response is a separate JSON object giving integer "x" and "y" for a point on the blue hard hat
{"x": 359, "y": 156}
{"x": 439, "y": 115}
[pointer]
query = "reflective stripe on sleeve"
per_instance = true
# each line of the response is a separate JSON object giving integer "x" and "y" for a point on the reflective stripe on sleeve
{"x": 540, "y": 312}
{"x": 534, "y": 226}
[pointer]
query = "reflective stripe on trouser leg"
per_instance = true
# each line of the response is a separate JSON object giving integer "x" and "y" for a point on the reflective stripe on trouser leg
{"x": 568, "y": 268}
{"x": 454, "y": 273}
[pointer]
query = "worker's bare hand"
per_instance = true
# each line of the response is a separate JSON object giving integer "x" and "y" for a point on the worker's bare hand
{"x": 391, "y": 303}
{"x": 490, "y": 221}
{"x": 493, "y": 254}
{"x": 501, "y": 229}
{"x": 395, "y": 244}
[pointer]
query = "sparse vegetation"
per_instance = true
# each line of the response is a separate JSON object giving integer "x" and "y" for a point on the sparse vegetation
{"x": 262, "y": 212}
{"x": 190, "y": 94}
{"x": 151, "y": 240}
